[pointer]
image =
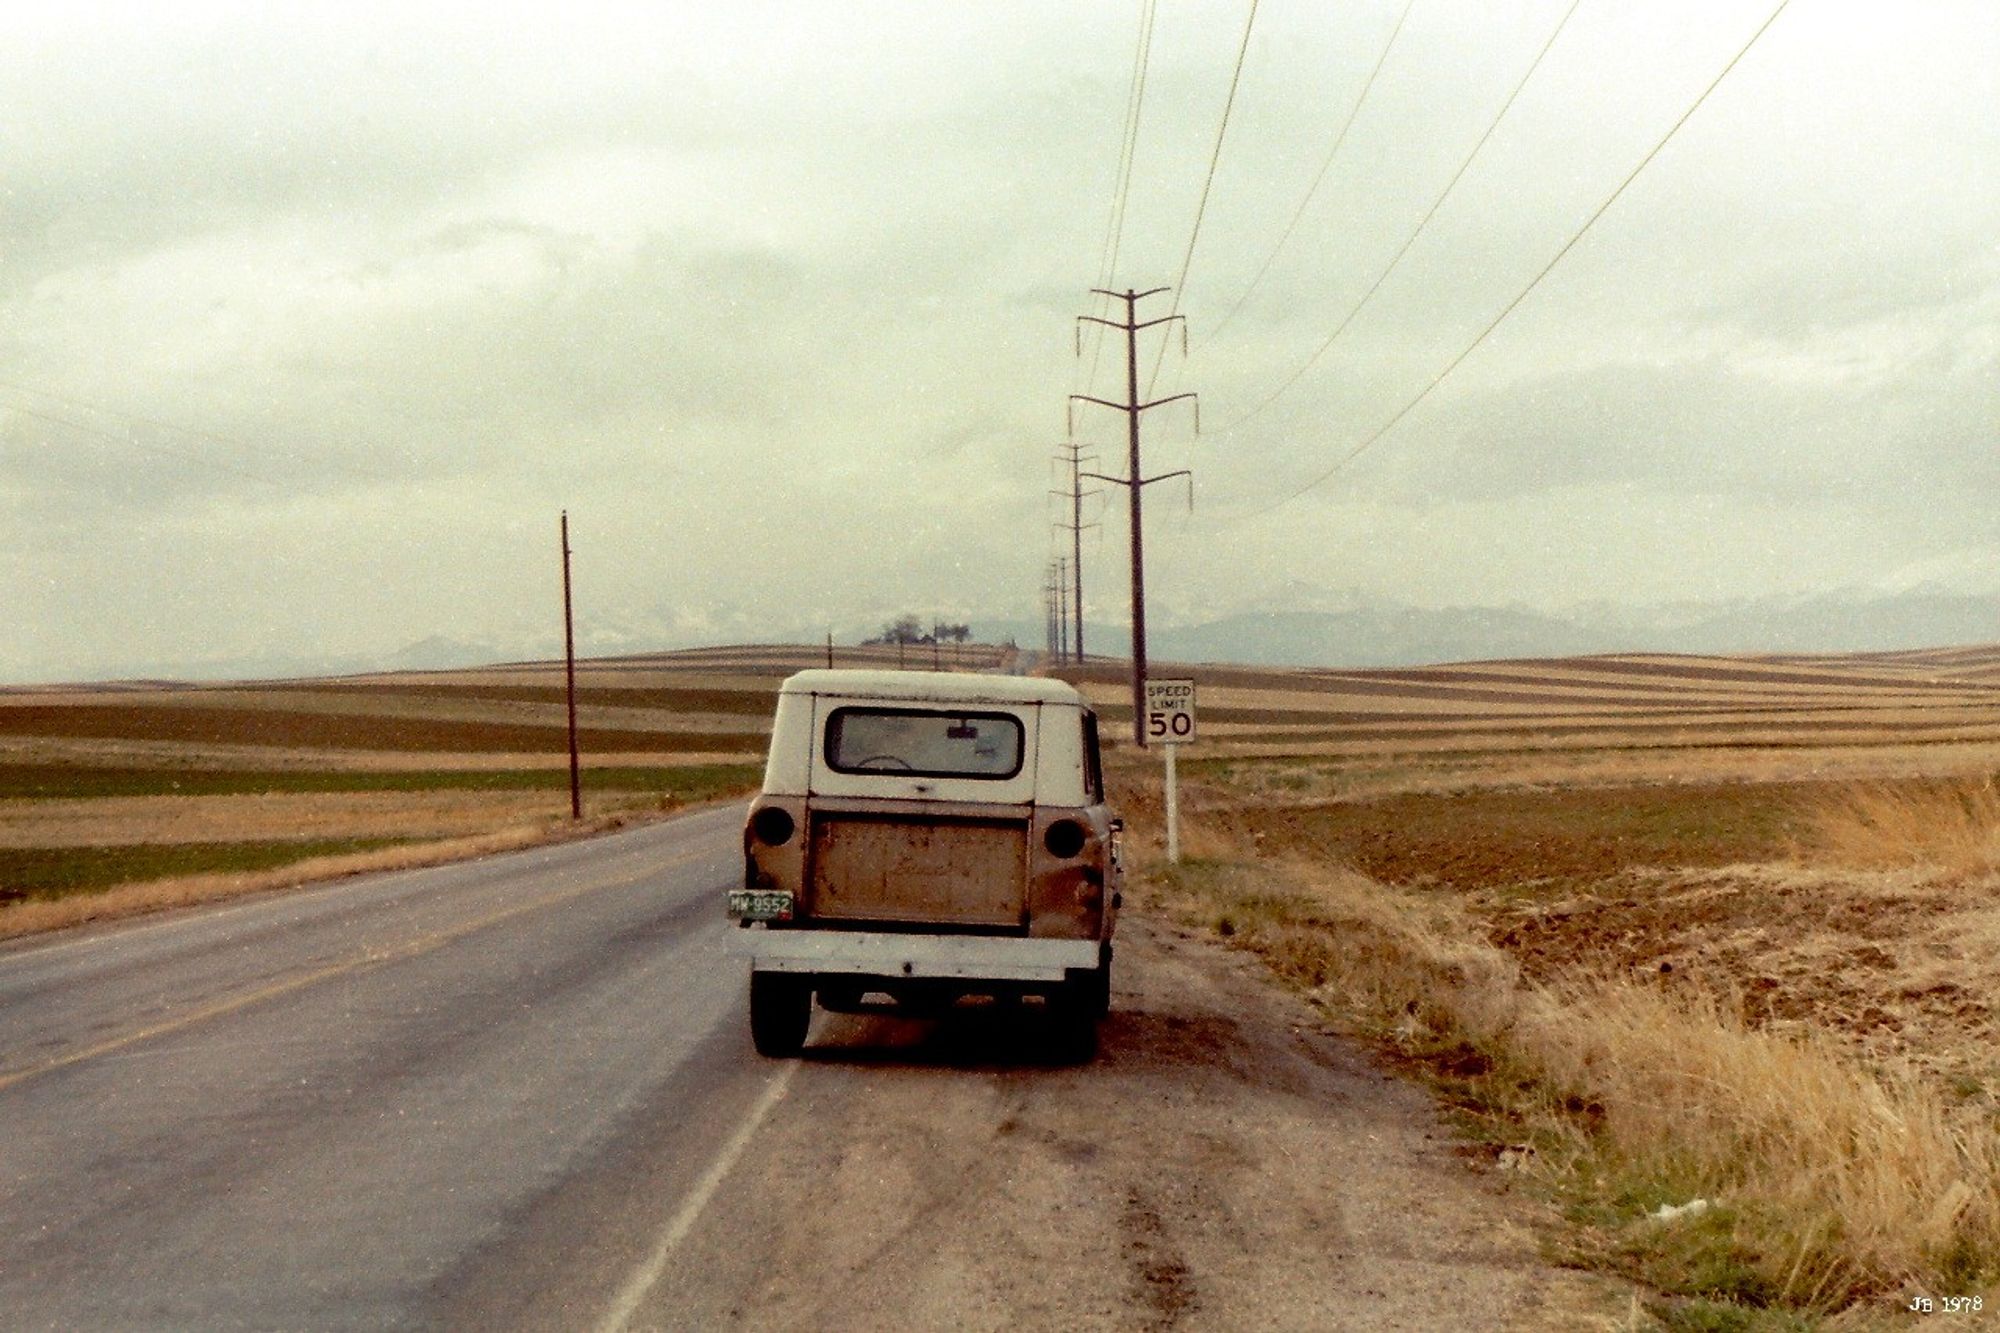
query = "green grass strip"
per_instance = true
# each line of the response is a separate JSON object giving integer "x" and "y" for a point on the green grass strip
{"x": 58, "y": 872}
{"x": 694, "y": 782}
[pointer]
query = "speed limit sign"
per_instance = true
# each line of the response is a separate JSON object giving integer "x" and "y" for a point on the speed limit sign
{"x": 1170, "y": 711}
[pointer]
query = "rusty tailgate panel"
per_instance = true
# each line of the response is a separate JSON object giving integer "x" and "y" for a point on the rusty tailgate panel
{"x": 928, "y": 870}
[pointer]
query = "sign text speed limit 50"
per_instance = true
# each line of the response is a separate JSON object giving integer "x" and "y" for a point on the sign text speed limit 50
{"x": 1170, "y": 711}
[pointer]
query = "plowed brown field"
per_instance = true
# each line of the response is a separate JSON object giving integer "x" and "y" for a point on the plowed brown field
{"x": 1668, "y": 827}
{"x": 111, "y": 785}
{"x": 1492, "y": 866}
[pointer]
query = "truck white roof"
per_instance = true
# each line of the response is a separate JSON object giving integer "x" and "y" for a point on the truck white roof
{"x": 931, "y": 687}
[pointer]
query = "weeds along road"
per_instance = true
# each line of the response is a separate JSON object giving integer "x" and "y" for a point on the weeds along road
{"x": 520, "y": 1093}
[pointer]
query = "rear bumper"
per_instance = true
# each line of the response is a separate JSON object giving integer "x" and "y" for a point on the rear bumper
{"x": 886, "y": 954}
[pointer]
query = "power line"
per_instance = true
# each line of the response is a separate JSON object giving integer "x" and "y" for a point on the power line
{"x": 99, "y": 408}
{"x": 132, "y": 441}
{"x": 1075, "y": 527}
{"x": 134, "y": 418}
{"x": 1134, "y": 482}
{"x": 1201, "y": 206}
{"x": 1114, "y": 227}
{"x": 1114, "y": 224}
{"x": 1313, "y": 189}
{"x": 1128, "y": 148}
{"x": 1510, "y": 307}
{"x": 1418, "y": 230}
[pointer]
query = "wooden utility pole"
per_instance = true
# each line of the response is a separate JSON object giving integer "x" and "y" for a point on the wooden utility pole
{"x": 569, "y": 681}
{"x": 1132, "y": 481}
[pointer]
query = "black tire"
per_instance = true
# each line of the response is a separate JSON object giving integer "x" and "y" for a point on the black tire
{"x": 1076, "y": 1034}
{"x": 1091, "y": 989}
{"x": 1073, "y": 1014}
{"x": 780, "y": 1012}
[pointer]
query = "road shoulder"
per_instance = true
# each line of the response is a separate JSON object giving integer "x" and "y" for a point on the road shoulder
{"x": 1225, "y": 1162}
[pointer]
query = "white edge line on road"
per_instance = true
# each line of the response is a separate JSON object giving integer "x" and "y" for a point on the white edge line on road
{"x": 648, "y": 1274}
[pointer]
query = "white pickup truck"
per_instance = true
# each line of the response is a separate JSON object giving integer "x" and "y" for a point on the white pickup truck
{"x": 922, "y": 837}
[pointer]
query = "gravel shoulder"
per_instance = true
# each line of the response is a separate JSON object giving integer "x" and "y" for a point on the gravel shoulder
{"x": 1224, "y": 1163}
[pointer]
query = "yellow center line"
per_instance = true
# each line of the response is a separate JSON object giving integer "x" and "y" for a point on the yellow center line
{"x": 377, "y": 957}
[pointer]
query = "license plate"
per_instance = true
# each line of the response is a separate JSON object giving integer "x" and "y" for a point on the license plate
{"x": 760, "y": 905}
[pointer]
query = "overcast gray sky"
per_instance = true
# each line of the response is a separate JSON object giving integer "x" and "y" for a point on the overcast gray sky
{"x": 311, "y": 322}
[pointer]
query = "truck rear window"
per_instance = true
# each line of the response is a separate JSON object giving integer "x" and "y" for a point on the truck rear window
{"x": 923, "y": 741}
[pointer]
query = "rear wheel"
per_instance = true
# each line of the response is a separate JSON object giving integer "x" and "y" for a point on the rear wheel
{"x": 1073, "y": 1014}
{"x": 1100, "y": 986}
{"x": 1076, "y": 1035}
{"x": 1090, "y": 988}
{"x": 780, "y": 1012}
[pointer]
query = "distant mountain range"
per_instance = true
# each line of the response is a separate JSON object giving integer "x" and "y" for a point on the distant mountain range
{"x": 1387, "y": 634}
{"x": 1297, "y": 626}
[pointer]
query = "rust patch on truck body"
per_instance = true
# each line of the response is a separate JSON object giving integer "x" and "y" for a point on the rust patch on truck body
{"x": 928, "y": 868}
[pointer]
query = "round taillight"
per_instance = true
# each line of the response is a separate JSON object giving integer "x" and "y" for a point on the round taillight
{"x": 772, "y": 825}
{"x": 1065, "y": 838}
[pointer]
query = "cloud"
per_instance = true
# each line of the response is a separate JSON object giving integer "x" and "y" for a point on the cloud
{"x": 778, "y": 300}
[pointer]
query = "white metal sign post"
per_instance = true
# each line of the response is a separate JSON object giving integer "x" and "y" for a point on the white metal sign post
{"x": 1170, "y": 723}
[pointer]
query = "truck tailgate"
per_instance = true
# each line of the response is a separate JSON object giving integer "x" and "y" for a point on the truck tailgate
{"x": 932, "y": 871}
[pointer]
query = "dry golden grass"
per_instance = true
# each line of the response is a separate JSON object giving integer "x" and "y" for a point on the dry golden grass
{"x": 139, "y": 899}
{"x": 1314, "y": 771}
{"x": 1753, "y": 959}
{"x": 1949, "y": 826}
{"x": 1830, "y": 1187}
{"x": 272, "y": 816}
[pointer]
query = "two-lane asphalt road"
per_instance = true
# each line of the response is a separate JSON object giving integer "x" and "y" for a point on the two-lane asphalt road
{"x": 377, "y": 1102}
{"x": 520, "y": 1093}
